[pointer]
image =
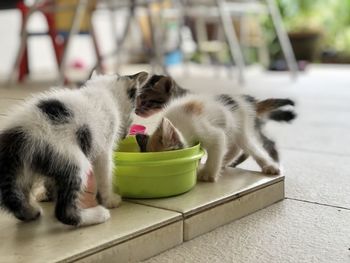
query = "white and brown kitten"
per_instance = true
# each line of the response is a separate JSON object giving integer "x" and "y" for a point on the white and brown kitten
{"x": 60, "y": 136}
{"x": 159, "y": 90}
{"x": 223, "y": 125}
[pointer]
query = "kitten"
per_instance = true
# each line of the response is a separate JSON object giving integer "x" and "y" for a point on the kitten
{"x": 155, "y": 94}
{"x": 60, "y": 136}
{"x": 160, "y": 90}
{"x": 223, "y": 125}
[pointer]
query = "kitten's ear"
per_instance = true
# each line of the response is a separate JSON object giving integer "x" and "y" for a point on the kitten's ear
{"x": 140, "y": 77}
{"x": 165, "y": 83}
{"x": 142, "y": 141}
{"x": 170, "y": 135}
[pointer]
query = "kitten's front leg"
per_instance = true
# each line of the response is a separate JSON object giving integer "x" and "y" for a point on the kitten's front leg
{"x": 103, "y": 167}
{"x": 215, "y": 147}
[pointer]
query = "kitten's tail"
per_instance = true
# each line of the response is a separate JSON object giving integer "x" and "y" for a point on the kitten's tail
{"x": 270, "y": 109}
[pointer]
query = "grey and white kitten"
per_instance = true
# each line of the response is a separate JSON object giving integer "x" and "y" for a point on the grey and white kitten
{"x": 62, "y": 135}
{"x": 224, "y": 126}
{"x": 158, "y": 92}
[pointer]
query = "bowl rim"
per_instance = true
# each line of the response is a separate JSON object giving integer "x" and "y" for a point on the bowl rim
{"x": 186, "y": 159}
{"x": 155, "y": 153}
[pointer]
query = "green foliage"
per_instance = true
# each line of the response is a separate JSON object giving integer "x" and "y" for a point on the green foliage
{"x": 301, "y": 15}
{"x": 331, "y": 18}
{"x": 337, "y": 25}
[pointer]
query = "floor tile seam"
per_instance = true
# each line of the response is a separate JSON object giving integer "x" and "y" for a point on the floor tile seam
{"x": 112, "y": 244}
{"x": 317, "y": 203}
{"x": 153, "y": 206}
{"x": 186, "y": 215}
{"x": 315, "y": 151}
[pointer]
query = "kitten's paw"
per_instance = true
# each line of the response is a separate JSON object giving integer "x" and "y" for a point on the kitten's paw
{"x": 112, "y": 201}
{"x": 94, "y": 215}
{"x": 40, "y": 194}
{"x": 103, "y": 214}
{"x": 272, "y": 169}
{"x": 205, "y": 176}
{"x": 30, "y": 213}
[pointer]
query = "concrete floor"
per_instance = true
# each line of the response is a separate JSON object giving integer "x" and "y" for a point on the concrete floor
{"x": 312, "y": 223}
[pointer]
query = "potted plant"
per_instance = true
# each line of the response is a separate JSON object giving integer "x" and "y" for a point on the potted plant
{"x": 304, "y": 24}
{"x": 336, "y": 40}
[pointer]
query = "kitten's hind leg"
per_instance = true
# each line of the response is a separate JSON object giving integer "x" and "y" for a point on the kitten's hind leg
{"x": 69, "y": 187}
{"x": 270, "y": 147}
{"x": 94, "y": 215}
{"x": 103, "y": 169}
{"x": 243, "y": 156}
{"x": 17, "y": 198}
{"x": 252, "y": 145}
{"x": 231, "y": 155}
{"x": 214, "y": 144}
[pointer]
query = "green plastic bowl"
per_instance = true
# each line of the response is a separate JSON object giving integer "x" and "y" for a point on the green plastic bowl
{"x": 154, "y": 174}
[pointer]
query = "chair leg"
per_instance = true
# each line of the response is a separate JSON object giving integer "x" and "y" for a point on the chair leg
{"x": 99, "y": 65}
{"x": 232, "y": 40}
{"x": 263, "y": 52}
{"x": 157, "y": 52}
{"x": 24, "y": 65}
{"x": 20, "y": 67}
{"x": 202, "y": 37}
{"x": 283, "y": 37}
{"x": 58, "y": 47}
{"x": 78, "y": 15}
{"x": 120, "y": 41}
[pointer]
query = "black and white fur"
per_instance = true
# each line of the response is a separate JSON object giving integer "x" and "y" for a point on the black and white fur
{"x": 60, "y": 136}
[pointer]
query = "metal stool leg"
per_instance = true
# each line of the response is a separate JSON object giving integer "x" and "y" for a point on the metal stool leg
{"x": 263, "y": 52}
{"x": 157, "y": 52}
{"x": 78, "y": 15}
{"x": 283, "y": 37}
{"x": 231, "y": 38}
{"x": 99, "y": 65}
{"x": 23, "y": 42}
{"x": 120, "y": 41}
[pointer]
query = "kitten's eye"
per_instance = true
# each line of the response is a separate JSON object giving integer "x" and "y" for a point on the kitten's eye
{"x": 156, "y": 101}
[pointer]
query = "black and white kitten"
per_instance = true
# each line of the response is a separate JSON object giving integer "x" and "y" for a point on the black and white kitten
{"x": 62, "y": 135}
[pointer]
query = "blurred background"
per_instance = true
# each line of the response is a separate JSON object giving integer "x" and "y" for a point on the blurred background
{"x": 63, "y": 40}
{"x": 298, "y": 49}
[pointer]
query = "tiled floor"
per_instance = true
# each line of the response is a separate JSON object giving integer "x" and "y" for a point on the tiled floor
{"x": 310, "y": 226}
{"x": 139, "y": 229}
{"x": 47, "y": 240}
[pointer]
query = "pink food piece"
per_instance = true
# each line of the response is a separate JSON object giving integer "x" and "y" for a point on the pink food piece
{"x": 137, "y": 129}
